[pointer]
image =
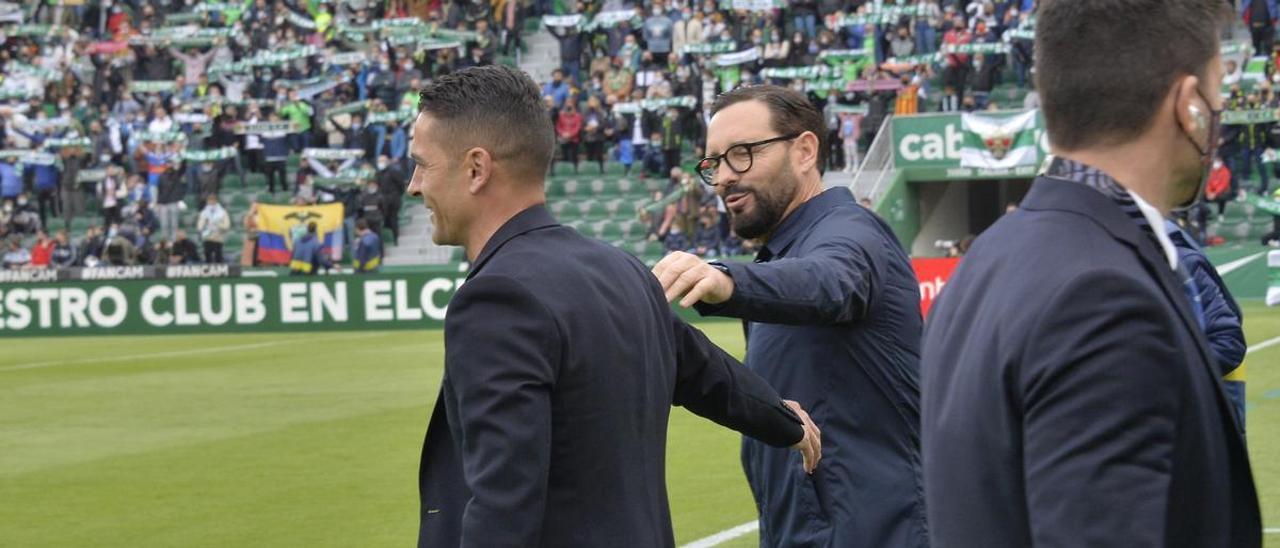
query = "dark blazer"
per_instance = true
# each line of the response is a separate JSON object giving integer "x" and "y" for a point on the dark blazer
{"x": 1069, "y": 397}
{"x": 562, "y": 361}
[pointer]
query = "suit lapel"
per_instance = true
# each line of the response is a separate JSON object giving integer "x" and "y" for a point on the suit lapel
{"x": 1055, "y": 194}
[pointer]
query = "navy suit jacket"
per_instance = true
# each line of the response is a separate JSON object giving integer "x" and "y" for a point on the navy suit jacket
{"x": 562, "y": 361}
{"x": 1069, "y": 397}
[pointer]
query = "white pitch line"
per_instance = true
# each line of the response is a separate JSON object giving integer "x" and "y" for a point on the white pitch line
{"x": 174, "y": 353}
{"x": 1236, "y": 264}
{"x": 735, "y": 532}
{"x": 725, "y": 535}
{"x": 1262, "y": 345}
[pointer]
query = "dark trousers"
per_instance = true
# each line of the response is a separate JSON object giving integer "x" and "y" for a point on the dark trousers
{"x": 213, "y": 252}
{"x": 276, "y": 169}
{"x": 256, "y": 160}
{"x": 1264, "y": 37}
{"x": 670, "y": 159}
{"x": 1250, "y": 157}
{"x": 595, "y": 153}
{"x": 111, "y": 215}
{"x": 225, "y": 167}
{"x": 569, "y": 150}
{"x": 47, "y": 201}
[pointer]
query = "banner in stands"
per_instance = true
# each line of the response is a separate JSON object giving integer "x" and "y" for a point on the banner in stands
{"x": 999, "y": 142}
{"x": 931, "y": 148}
{"x": 279, "y": 226}
{"x": 415, "y": 300}
{"x": 933, "y": 275}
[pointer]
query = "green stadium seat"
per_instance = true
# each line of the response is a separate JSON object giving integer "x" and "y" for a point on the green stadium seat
{"x": 621, "y": 208}
{"x": 592, "y": 209}
{"x": 607, "y": 230}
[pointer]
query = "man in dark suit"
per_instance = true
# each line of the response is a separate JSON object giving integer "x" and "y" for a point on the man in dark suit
{"x": 1069, "y": 396}
{"x": 832, "y": 314}
{"x": 562, "y": 358}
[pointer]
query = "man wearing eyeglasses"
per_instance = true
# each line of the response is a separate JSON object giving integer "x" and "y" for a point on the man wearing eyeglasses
{"x": 831, "y": 313}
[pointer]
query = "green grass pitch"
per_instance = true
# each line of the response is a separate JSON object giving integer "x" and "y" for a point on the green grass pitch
{"x": 313, "y": 440}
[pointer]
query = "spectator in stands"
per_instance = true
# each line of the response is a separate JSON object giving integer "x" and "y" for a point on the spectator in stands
{"x": 955, "y": 74}
{"x": 63, "y": 254}
{"x": 146, "y": 220}
{"x": 298, "y": 112}
{"x": 308, "y": 255}
{"x": 593, "y": 131}
{"x": 1218, "y": 189}
{"x": 672, "y": 139}
{"x": 391, "y": 185}
{"x": 169, "y": 204}
{"x": 372, "y": 206}
{"x": 982, "y": 79}
{"x": 568, "y": 134}
{"x": 17, "y": 257}
{"x": 183, "y": 250}
{"x": 368, "y": 249}
{"x": 25, "y": 219}
{"x": 120, "y": 249}
{"x": 1252, "y": 143}
{"x": 1260, "y": 16}
{"x": 276, "y": 153}
{"x": 675, "y": 240}
{"x": 10, "y": 180}
{"x": 42, "y": 251}
{"x": 706, "y": 235}
{"x": 213, "y": 224}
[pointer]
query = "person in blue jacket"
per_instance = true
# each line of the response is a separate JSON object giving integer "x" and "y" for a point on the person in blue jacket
{"x": 308, "y": 253}
{"x": 1223, "y": 321}
{"x": 368, "y": 252}
{"x": 10, "y": 179}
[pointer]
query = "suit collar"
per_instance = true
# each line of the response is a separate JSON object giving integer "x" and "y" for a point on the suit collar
{"x": 804, "y": 216}
{"x": 524, "y": 222}
{"x": 1049, "y": 194}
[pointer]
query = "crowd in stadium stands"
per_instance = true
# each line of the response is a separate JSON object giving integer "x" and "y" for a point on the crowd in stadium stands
{"x": 132, "y": 106}
{"x": 616, "y": 96}
{"x": 134, "y": 111}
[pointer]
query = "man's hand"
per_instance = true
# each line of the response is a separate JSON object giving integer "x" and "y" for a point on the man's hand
{"x": 810, "y": 446}
{"x": 685, "y": 275}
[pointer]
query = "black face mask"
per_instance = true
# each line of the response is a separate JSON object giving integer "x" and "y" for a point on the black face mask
{"x": 1207, "y": 153}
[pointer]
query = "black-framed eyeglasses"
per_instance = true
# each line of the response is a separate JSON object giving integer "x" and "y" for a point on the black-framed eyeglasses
{"x": 739, "y": 158}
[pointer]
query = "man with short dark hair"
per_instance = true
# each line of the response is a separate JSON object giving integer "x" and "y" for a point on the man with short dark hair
{"x": 551, "y": 422}
{"x": 832, "y": 318}
{"x": 1069, "y": 395}
{"x": 367, "y": 256}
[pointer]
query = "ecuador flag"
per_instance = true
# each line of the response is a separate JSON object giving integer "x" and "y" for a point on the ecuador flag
{"x": 279, "y": 226}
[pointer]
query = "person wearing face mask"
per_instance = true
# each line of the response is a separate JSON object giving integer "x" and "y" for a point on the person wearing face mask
{"x": 391, "y": 185}
{"x": 1070, "y": 341}
{"x": 657, "y": 34}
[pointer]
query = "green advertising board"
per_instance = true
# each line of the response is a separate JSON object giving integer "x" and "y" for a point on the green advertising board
{"x": 105, "y": 306}
{"x": 927, "y": 148}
